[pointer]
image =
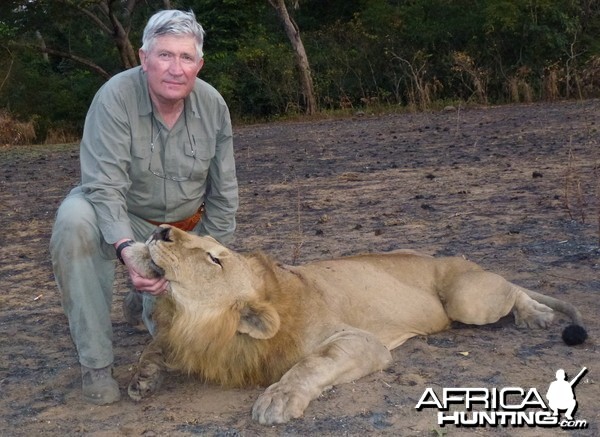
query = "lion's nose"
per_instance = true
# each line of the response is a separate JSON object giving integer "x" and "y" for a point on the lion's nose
{"x": 161, "y": 234}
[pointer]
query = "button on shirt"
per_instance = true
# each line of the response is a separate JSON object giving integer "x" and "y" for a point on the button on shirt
{"x": 119, "y": 165}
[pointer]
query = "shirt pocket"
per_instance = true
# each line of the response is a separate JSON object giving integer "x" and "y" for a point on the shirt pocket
{"x": 201, "y": 152}
{"x": 141, "y": 152}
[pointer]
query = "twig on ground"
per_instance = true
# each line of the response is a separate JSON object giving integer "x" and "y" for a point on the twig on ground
{"x": 573, "y": 182}
{"x": 299, "y": 234}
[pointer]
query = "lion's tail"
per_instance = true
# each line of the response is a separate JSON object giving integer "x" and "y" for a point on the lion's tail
{"x": 573, "y": 334}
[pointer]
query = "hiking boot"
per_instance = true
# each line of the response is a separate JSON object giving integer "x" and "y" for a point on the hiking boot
{"x": 132, "y": 309}
{"x": 98, "y": 386}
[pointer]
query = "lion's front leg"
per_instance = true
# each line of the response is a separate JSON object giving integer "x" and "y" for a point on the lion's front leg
{"x": 149, "y": 374}
{"x": 343, "y": 357}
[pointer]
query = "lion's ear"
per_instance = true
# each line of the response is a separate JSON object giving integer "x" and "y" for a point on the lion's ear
{"x": 259, "y": 320}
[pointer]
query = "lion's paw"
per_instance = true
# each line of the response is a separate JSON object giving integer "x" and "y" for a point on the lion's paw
{"x": 279, "y": 404}
{"x": 533, "y": 314}
{"x": 145, "y": 382}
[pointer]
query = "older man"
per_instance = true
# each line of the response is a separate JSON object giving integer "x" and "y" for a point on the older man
{"x": 157, "y": 148}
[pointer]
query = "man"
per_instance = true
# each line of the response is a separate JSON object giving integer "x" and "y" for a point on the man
{"x": 156, "y": 148}
{"x": 560, "y": 394}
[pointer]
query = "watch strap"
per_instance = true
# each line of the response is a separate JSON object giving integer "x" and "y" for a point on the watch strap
{"x": 122, "y": 246}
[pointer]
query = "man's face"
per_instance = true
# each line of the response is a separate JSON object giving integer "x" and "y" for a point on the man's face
{"x": 171, "y": 66}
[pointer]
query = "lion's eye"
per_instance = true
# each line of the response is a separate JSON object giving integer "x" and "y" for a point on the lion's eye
{"x": 215, "y": 260}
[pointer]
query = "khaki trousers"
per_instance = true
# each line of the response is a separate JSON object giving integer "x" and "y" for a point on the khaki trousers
{"x": 84, "y": 269}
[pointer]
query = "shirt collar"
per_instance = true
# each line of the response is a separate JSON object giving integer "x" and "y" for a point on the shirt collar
{"x": 144, "y": 103}
{"x": 192, "y": 105}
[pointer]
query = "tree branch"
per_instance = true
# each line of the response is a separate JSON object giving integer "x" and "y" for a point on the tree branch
{"x": 85, "y": 62}
{"x": 12, "y": 60}
{"x": 90, "y": 15}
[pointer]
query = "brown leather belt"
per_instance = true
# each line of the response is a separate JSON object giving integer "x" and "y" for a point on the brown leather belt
{"x": 187, "y": 224}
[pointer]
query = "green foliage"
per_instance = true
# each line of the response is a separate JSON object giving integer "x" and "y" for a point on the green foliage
{"x": 413, "y": 52}
{"x": 247, "y": 57}
{"x": 36, "y": 91}
{"x": 363, "y": 53}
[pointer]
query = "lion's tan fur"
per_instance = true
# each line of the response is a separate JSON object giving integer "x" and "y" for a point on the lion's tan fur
{"x": 246, "y": 320}
{"x": 220, "y": 353}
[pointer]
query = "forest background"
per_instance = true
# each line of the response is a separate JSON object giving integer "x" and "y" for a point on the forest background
{"x": 358, "y": 55}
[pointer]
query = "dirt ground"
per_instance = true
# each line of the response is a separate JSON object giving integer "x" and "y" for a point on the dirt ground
{"x": 515, "y": 188}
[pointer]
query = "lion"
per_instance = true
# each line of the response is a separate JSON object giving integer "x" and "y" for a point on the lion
{"x": 245, "y": 320}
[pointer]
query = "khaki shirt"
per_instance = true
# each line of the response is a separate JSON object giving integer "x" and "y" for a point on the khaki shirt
{"x": 118, "y": 163}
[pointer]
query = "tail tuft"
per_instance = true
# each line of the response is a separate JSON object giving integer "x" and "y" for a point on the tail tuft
{"x": 574, "y": 334}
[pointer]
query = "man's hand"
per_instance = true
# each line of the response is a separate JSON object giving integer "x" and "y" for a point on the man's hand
{"x": 153, "y": 286}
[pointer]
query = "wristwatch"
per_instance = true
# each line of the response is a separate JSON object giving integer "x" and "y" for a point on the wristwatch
{"x": 122, "y": 246}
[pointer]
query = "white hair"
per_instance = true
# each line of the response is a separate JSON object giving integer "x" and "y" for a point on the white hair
{"x": 176, "y": 23}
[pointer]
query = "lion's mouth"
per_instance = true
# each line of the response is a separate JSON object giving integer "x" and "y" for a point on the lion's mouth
{"x": 160, "y": 234}
{"x": 157, "y": 269}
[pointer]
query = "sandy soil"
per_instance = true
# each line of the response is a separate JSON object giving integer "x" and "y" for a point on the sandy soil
{"x": 515, "y": 188}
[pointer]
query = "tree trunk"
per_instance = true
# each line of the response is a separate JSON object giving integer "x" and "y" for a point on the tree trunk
{"x": 120, "y": 35}
{"x": 40, "y": 38}
{"x": 293, "y": 34}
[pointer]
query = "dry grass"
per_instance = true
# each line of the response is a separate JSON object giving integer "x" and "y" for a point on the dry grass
{"x": 18, "y": 133}
{"x": 14, "y": 132}
{"x": 61, "y": 136}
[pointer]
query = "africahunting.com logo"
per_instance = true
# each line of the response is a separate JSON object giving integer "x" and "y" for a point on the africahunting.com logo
{"x": 508, "y": 406}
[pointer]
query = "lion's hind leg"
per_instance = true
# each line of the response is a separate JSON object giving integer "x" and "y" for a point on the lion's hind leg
{"x": 530, "y": 313}
{"x": 478, "y": 297}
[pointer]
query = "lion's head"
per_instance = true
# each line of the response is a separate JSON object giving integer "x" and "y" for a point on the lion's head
{"x": 205, "y": 276}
